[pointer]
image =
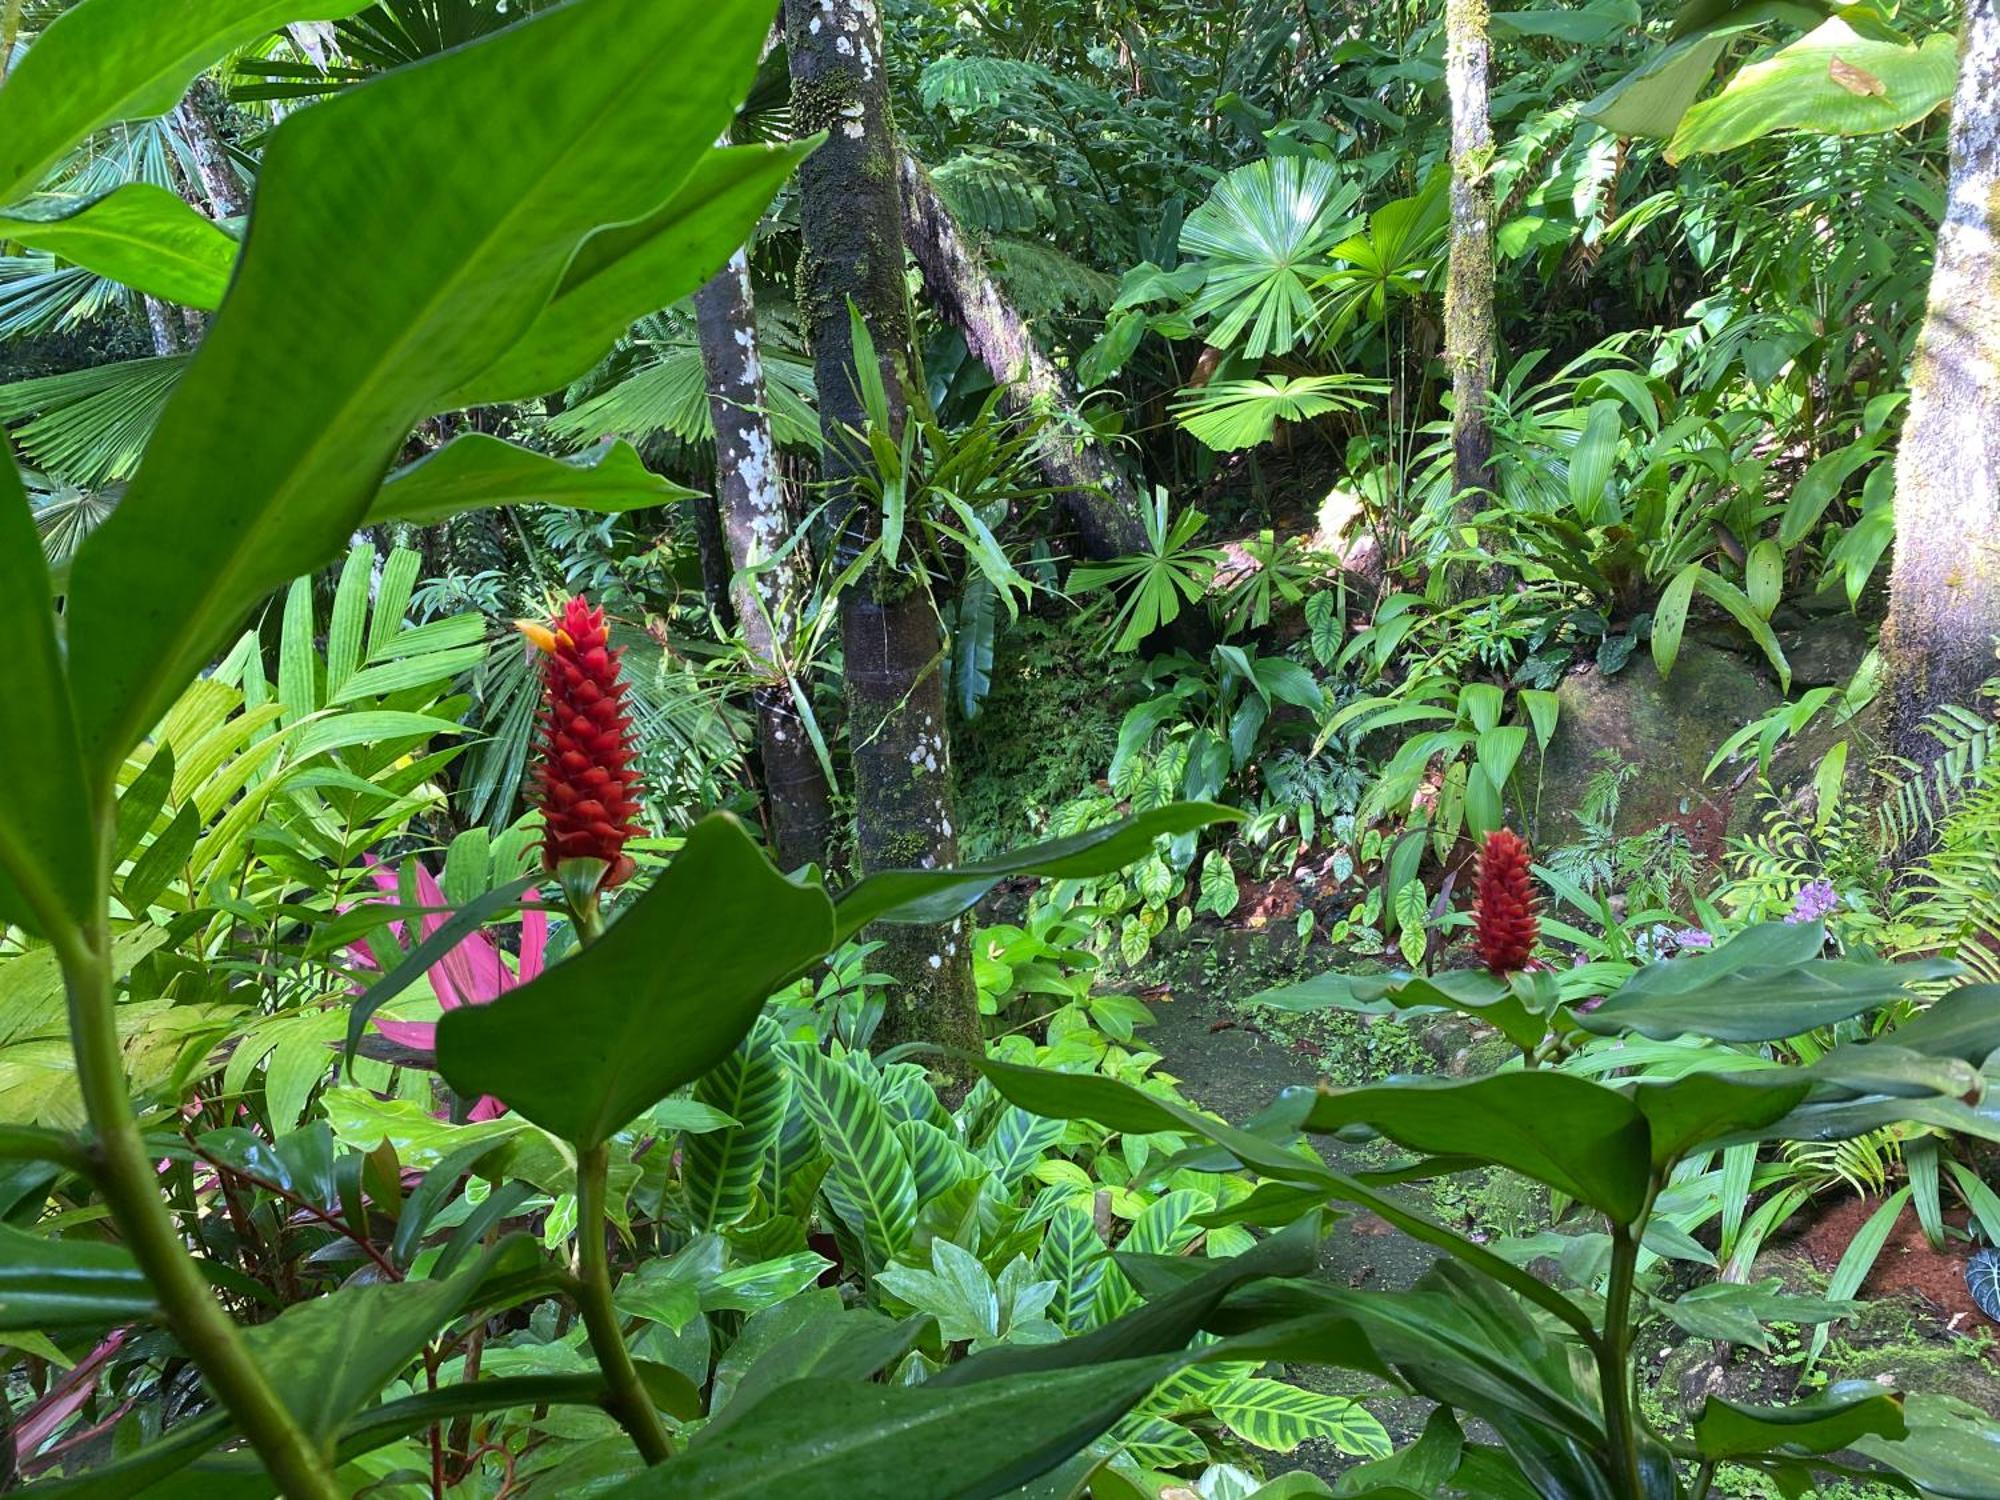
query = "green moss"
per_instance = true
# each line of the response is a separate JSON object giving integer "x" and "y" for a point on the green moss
{"x": 817, "y": 102}
{"x": 1044, "y": 734}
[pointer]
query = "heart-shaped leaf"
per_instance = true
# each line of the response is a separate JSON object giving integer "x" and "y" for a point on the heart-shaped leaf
{"x": 656, "y": 1002}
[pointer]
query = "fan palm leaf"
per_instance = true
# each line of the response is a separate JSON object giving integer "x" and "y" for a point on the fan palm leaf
{"x": 89, "y": 427}
{"x": 1262, "y": 235}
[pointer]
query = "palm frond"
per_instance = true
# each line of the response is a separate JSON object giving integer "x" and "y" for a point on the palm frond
{"x": 89, "y": 427}
{"x": 669, "y": 393}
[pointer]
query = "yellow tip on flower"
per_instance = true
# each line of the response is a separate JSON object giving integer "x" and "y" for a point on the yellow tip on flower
{"x": 539, "y": 636}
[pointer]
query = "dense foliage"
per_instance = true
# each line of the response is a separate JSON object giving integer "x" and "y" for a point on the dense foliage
{"x": 674, "y": 667}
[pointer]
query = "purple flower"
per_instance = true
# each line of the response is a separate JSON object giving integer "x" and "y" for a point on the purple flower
{"x": 1814, "y": 902}
{"x": 1692, "y": 937}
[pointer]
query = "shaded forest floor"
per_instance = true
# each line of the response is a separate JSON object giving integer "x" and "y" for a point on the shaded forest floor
{"x": 1234, "y": 1059}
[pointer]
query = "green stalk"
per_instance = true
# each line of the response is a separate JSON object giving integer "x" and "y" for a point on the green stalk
{"x": 1614, "y": 1366}
{"x": 10, "y": 31}
{"x": 125, "y": 1176}
{"x": 626, "y": 1394}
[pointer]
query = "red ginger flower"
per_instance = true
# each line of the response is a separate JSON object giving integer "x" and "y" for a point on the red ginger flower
{"x": 1503, "y": 907}
{"x": 586, "y": 787}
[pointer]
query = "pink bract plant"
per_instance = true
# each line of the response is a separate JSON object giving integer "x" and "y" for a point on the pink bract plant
{"x": 472, "y": 973}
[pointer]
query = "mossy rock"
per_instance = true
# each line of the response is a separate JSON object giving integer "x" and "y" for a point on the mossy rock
{"x": 1670, "y": 726}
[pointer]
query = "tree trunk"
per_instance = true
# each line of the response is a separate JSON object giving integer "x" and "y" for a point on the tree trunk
{"x": 160, "y": 318}
{"x": 1100, "y": 498}
{"x": 755, "y": 522}
{"x": 1944, "y": 589}
{"x": 1468, "y": 291}
{"x": 851, "y": 216}
{"x": 219, "y": 181}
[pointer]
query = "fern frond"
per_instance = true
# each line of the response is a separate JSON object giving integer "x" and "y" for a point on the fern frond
{"x": 991, "y": 192}
{"x": 1043, "y": 281}
{"x": 970, "y": 83}
{"x": 1915, "y": 800}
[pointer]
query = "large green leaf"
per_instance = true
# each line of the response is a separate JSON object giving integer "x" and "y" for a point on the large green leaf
{"x": 1577, "y": 1136}
{"x": 54, "y": 1284}
{"x": 869, "y": 1182}
{"x": 1763, "y": 985}
{"x": 476, "y": 472}
{"x": 928, "y": 897}
{"x": 625, "y": 272}
{"x": 720, "y": 1168}
{"x": 823, "y": 1440}
{"x": 264, "y": 462}
{"x": 1831, "y": 1420}
{"x": 108, "y": 60}
{"x": 813, "y": 1334}
{"x": 328, "y": 1357}
{"x": 1652, "y": 98}
{"x": 1952, "y": 1450}
{"x": 45, "y": 839}
{"x": 1686, "y": 1112}
{"x": 141, "y": 236}
{"x": 1832, "y": 81}
{"x": 655, "y": 1003}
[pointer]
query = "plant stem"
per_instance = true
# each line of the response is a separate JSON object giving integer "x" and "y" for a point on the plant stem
{"x": 126, "y": 1177}
{"x": 10, "y": 31}
{"x": 628, "y": 1400}
{"x": 1614, "y": 1366}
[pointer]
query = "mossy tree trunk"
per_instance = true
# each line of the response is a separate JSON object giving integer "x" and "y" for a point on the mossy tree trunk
{"x": 851, "y": 219}
{"x": 1101, "y": 499}
{"x": 220, "y": 182}
{"x": 1468, "y": 293}
{"x": 755, "y": 521}
{"x": 1944, "y": 589}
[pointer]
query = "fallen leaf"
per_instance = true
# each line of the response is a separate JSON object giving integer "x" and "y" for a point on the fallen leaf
{"x": 1855, "y": 80}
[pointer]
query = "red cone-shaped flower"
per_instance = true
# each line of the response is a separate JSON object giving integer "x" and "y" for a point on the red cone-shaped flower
{"x": 1503, "y": 906}
{"x": 585, "y": 784}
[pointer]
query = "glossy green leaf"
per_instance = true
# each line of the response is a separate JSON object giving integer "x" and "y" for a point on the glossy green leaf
{"x": 622, "y": 273}
{"x": 140, "y": 236}
{"x": 720, "y": 1168}
{"x": 1652, "y": 99}
{"x": 1829, "y": 1421}
{"x": 57, "y": 1284}
{"x": 1686, "y": 1112}
{"x": 928, "y": 897}
{"x": 477, "y": 472}
{"x": 45, "y": 838}
{"x": 826, "y": 1440}
{"x": 107, "y": 60}
{"x": 1763, "y": 985}
{"x": 655, "y": 1003}
{"x": 1576, "y": 1136}
{"x": 263, "y": 462}
{"x": 814, "y": 1335}
{"x": 328, "y": 1357}
{"x": 1952, "y": 1449}
{"x": 1833, "y": 81}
